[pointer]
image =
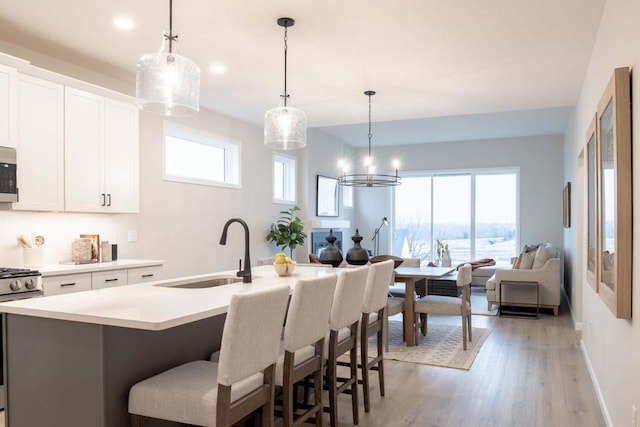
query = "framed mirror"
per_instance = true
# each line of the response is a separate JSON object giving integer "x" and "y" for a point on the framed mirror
{"x": 592, "y": 232}
{"x": 614, "y": 226}
{"x": 326, "y": 196}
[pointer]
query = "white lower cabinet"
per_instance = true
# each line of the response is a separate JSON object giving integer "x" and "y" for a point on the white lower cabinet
{"x": 144, "y": 274}
{"x": 108, "y": 279}
{"x": 56, "y": 285}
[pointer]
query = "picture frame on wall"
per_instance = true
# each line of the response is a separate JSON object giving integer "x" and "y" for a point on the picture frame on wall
{"x": 566, "y": 205}
{"x": 326, "y": 196}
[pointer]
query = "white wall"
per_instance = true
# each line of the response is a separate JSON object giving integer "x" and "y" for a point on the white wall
{"x": 611, "y": 346}
{"x": 540, "y": 160}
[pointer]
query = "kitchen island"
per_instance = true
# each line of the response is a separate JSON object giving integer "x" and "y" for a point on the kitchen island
{"x": 70, "y": 360}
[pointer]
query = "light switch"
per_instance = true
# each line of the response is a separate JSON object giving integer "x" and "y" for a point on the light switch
{"x": 132, "y": 236}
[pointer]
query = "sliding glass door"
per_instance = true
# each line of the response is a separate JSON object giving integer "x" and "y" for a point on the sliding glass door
{"x": 473, "y": 213}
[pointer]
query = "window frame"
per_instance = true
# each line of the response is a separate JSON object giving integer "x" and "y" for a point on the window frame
{"x": 289, "y": 184}
{"x": 232, "y": 155}
{"x": 473, "y": 173}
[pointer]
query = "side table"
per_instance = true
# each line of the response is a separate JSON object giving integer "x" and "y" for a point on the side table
{"x": 532, "y": 286}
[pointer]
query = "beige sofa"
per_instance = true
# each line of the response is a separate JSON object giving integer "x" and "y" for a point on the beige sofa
{"x": 547, "y": 275}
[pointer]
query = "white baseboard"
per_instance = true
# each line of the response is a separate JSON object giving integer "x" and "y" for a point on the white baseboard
{"x": 596, "y": 386}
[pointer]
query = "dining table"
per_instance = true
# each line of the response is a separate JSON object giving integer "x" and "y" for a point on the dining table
{"x": 409, "y": 276}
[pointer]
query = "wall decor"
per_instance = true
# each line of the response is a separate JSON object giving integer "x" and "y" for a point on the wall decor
{"x": 592, "y": 232}
{"x": 566, "y": 205}
{"x": 614, "y": 212}
{"x": 326, "y": 196}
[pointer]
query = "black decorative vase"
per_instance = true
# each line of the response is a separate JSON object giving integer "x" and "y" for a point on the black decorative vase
{"x": 357, "y": 255}
{"x": 331, "y": 254}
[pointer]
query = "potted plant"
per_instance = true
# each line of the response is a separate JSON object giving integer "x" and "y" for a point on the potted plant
{"x": 443, "y": 253}
{"x": 287, "y": 231}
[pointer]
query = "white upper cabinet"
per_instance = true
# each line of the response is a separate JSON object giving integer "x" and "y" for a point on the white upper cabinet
{"x": 7, "y": 106}
{"x": 101, "y": 154}
{"x": 40, "y": 144}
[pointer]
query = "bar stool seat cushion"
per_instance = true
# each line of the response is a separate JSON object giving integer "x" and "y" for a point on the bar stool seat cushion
{"x": 187, "y": 393}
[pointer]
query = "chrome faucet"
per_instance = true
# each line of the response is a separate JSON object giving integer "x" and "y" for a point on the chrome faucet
{"x": 246, "y": 273}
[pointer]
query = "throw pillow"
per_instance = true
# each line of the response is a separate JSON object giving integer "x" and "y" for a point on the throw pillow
{"x": 526, "y": 262}
{"x": 525, "y": 249}
{"x": 543, "y": 253}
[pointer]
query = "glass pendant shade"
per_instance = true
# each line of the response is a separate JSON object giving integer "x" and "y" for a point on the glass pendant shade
{"x": 285, "y": 128}
{"x": 167, "y": 83}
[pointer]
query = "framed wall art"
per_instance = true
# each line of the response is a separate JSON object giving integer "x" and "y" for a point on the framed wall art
{"x": 592, "y": 205}
{"x": 326, "y": 196}
{"x": 566, "y": 205}
{"x": 614, "y": 196}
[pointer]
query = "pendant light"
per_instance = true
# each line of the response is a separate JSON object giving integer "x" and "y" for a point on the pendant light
{"x": 167, "y": 83}
{"x": 285, "y": 127}
{"x": 369, "y": 178}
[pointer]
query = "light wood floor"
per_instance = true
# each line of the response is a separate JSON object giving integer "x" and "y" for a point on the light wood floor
{"x": 528, "y": 373}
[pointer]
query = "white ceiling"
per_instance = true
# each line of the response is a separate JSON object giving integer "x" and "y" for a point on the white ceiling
{"x": 428, "y": 60}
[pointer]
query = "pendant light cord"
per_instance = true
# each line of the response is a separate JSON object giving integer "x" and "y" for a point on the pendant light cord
{"x": 285, "y": 65}
{"x": 170, "y": 36}
{"x": 369, "y": 134}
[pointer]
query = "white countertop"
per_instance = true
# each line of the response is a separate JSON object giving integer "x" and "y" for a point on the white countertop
{"x": 60, "y": 269}
{"x": 152, "y": 307}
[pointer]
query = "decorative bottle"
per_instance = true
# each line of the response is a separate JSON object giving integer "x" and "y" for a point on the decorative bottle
{"x": 331, "y": 254}
{"x": 357, "y": 255}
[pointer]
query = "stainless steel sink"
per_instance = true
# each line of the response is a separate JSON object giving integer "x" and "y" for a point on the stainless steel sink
{"x": 208, "y": 283}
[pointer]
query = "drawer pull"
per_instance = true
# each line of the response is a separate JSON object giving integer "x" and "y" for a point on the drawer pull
{"x": 62, "y": 285}
{"x": 111, "y": 280}
{"x": 144, "y": 276}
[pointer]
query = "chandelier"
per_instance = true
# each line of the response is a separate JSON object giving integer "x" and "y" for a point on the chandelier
{"x": 369, "y": 178}
{"x": 167, "y": 83}
{"x": 285, "y": 127}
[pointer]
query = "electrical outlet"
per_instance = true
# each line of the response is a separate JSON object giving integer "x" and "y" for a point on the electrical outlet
{"x": 132, "y": 236}
{"x": 634, "y": 416}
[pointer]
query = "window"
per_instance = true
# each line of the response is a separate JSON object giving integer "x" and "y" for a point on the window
{"x": 284, "y": 179}
{"x": 474, "y": 213}
{"x": 196, "y": 157}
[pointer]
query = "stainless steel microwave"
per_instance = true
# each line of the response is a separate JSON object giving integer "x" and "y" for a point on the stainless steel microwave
{"x": 8, "y": 178}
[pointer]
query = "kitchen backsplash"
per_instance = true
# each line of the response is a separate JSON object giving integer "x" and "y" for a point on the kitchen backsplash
{"x": 58, "y": 229}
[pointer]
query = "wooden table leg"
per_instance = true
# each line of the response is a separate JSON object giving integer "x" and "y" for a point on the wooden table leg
{"x": 409, "y": 333}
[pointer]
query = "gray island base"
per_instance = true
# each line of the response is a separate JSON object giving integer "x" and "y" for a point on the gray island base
{"x": 79, "y": 374}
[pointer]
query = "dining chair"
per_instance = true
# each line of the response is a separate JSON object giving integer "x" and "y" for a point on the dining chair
{"x": 448, "y": 305}
{"x": 343, "y": 338}
{"x": 301, "y": 353}
{"x": 374, "y": 307}
{"x": 205, "y": 393}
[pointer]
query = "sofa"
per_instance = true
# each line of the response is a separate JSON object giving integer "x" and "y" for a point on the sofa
{"x": 540, "y": 264}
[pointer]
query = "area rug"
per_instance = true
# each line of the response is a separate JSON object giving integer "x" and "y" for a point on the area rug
{"x": 441, "y": 347}
{"x": 479, "y": 303}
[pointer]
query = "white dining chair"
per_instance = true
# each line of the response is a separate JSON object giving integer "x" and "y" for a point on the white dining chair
{"x": 454, "y": 306}
{"x": 303, "y": 344}
{"x": 205, "y": 393}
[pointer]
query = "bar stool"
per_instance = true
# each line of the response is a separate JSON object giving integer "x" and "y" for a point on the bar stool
{"x": 373, "y": 317}
{"x": 343, "y": 338}
{"x": 303, "y": 344}
{"x": 201, "y": 392}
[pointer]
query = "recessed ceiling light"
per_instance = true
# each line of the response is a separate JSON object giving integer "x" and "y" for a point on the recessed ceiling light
{"x": 217, "y": 68}
{"x": 123, "y": 23}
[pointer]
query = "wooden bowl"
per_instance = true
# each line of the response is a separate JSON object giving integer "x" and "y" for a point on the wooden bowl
{"x": 379, "y": 258}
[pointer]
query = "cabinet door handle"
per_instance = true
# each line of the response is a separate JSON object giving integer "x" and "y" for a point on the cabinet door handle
{"x": 62, "y": 285}
{"x": 103, "y": 199}
{"x": 109, "y": 202}
{"x": 144, "y": 276}
{"x": 111, "y": 280}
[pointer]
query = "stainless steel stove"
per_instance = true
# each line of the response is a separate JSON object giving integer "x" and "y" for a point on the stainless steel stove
{"x": 15, "y": 284}
{"x": 19, "y": 283}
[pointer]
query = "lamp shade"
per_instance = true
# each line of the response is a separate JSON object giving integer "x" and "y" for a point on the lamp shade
{"x": 285, "y": 128}
{"x": 168, "y": 83}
